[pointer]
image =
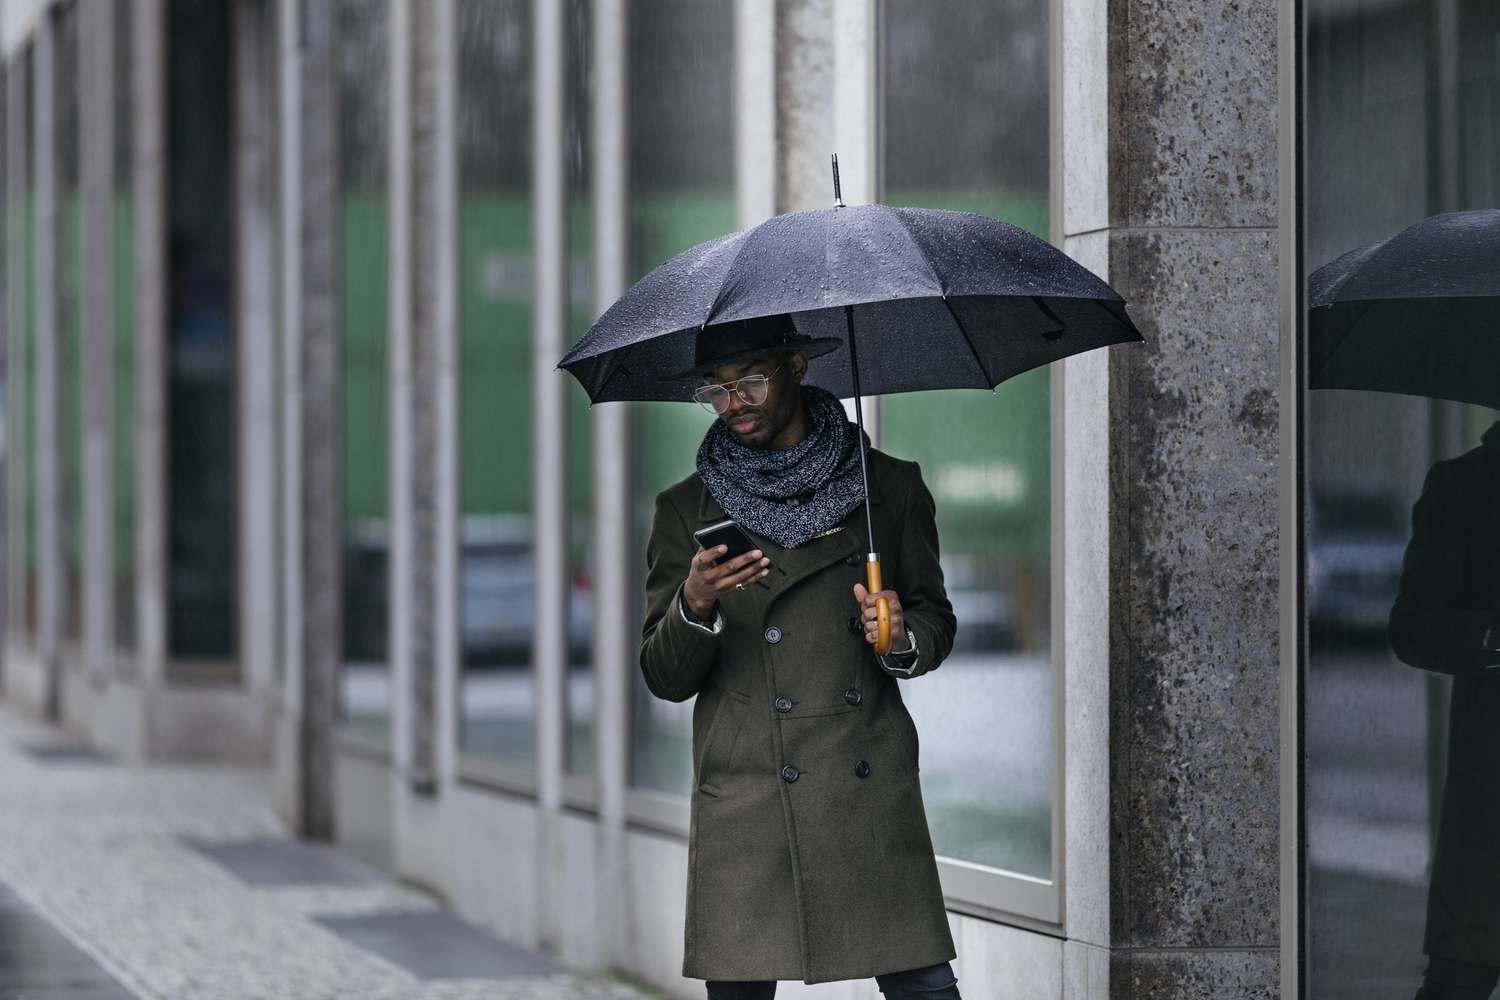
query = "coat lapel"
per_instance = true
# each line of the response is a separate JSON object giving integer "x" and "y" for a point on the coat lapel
{"x": 791, "y": 565}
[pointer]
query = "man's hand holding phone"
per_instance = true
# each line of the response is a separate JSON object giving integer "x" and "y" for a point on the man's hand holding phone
{"x": 708, "y": 579}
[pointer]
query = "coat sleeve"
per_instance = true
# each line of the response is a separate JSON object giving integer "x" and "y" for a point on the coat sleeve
{"x": 1430, "y": 625}
{"x": 676, "y": 655}
{"x": 924, "y": 601}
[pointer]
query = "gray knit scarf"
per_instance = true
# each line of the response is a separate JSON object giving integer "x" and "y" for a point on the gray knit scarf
{"x": 753, "y": 484}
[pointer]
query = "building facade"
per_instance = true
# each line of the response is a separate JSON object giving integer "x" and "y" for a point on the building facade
{"x": 291, "y": 475}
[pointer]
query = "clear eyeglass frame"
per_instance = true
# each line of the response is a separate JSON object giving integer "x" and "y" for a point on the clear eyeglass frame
{"x": 711, "y": 396}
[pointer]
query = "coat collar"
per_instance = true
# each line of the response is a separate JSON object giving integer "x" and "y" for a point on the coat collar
{"x": 791, "y": 565}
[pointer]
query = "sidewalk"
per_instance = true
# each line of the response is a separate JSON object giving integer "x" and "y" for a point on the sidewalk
{"x": 177, "y": 882}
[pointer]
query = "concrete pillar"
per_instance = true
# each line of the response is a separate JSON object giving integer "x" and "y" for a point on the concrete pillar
{"x": 756, "y": 160}
{"x": 17, "y": 472}
{"x": 420, "y": 580}
{"x": 258, "y": 352}
{"x": 319, "y": 419}
{"x": 615, "y": 627}
{"x": 438, "y": 217}
{"x": 148, "y": 181}
{"x": 1187, "y": 218}
{"x": 96, "y": 173}
{"x": 1079, "y": 87}
{"x": 48, "y": 386}
{"x": 398, "y": 354}
{"x": 550, "y": 503}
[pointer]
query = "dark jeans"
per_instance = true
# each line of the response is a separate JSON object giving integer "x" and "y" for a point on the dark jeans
{"x": 934, "y": 982}
{"x": 1455, "y": 979}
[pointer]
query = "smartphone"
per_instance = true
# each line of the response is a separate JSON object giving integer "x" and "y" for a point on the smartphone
{"x": 725, "y": 533}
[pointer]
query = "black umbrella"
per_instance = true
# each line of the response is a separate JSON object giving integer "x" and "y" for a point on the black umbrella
{"x": 942, "y": 300}
{"x": 1416, "y": 313}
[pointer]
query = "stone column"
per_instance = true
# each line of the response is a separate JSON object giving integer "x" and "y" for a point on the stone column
{"x": 321, "y": 493}
{"x": 96, "y": 171}
{"x": 257, "y": 351}
{"x": 148, "y": 181}
{"x": 1188, "y": 220}
{"x": 616, "y": 635}
{"x": 48, "y": 386}
{"x": 17, "y": 472}
{"x": 420, "y": 415}
{"x": 550, "y": 498}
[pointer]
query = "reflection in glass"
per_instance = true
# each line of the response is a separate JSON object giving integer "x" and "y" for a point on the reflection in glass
{"x": 363, "y": 45}
{"x": 1399, "y": 114}
{"x": 202, "y": 445}
{"x": 497, "y": 566}
{"x": 682, "y": 192}
{"x": 986, "y": 714}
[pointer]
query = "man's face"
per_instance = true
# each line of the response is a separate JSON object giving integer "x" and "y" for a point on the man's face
{"x": 756, "y": 426}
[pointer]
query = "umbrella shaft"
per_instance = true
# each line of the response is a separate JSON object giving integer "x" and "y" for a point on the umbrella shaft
{"x": 859, "y": 422}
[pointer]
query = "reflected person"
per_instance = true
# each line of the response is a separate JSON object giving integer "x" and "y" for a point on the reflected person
{"x": 809, "y": 855}
{"x": 1444, "y": 620}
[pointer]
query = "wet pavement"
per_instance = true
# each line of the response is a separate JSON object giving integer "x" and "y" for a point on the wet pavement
{"x": 177, "y": 881}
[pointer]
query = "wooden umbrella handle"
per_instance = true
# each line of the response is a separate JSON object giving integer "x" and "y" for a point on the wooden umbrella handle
{"x": 882, "y": 606}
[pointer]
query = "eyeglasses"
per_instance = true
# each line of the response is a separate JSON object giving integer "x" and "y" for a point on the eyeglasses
{"x": 752, "y": 389}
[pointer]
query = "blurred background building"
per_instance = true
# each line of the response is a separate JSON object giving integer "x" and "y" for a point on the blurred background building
{"x": 291, "y": 477}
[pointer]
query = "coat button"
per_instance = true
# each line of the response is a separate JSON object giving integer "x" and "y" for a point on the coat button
{"x": 773, "y": 634}
{"x": 790, "y": 773}
{"x": 854, "y": 559}
{"x": 862, "y": 769}
{"x": 854, "y": 625}
{"x": 852, "y": 696}
{"x": 783, "y": 704}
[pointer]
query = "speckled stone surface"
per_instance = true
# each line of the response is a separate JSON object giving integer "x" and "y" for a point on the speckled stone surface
{"x": 1241, "y": 975}
{"x": 1195, "y": 737}
{"x": 97, "y": 850}
{"x": 1193, "y": 113}
{"x": 1194, "y": 618}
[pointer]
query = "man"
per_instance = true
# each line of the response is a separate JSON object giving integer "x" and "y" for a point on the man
{"x": 1444, "y": 619}
{"x": 809, "y": 855}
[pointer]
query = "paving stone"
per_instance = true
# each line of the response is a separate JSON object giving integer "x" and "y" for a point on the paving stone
{"x": 437, "y": 945}
{"x": 178, "y": 881}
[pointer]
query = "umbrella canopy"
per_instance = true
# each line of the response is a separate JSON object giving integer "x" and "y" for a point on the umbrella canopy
{"x": 1417, "y": 313}
{"x": 940, "y": 299}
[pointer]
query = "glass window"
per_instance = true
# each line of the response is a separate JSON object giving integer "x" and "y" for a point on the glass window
{"x": 363, "y": 45}
{"x": 579, "y": 753}
{"x": 201, "y": 433}
{"x": 123, "y": 425}
{"x": 985, "y": 714}
{"x": 1399, "y": 114}
{"x": 497, "y": 558}
{"x": 681, "y": 58}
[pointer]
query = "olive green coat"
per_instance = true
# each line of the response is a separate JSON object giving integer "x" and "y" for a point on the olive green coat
{"x": 829, "y": 875}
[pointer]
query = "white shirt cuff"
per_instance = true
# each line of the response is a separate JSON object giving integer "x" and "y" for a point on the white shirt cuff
{"x": 717, "y": 621}
{"x": 907, "y": 656}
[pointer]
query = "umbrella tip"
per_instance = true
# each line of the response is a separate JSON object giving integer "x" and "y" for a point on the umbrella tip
{"x": 838, "y": 197}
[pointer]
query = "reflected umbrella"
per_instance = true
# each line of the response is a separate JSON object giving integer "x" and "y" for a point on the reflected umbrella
{"x": 1417, "y": 313}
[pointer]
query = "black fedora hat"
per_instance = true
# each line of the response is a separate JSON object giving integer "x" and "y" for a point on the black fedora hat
{"x": 719, "y": 343}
